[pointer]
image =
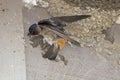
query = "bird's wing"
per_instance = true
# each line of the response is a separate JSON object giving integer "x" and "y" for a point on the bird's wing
{"x": 62, "y": 34}
{"x": 62, "y": 20}
{"x": 52, "y": 22}
{"x": 71, "y": 18}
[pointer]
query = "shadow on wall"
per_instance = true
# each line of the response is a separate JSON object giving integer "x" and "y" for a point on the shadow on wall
{"x": 102, "y": 4}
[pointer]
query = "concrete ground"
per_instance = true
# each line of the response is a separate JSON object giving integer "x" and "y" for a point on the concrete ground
{"x": 20, "y": 61}
{"x": 12, "y": 51}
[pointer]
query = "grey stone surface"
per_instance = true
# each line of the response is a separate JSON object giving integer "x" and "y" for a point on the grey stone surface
{"x": 12, "y": 56}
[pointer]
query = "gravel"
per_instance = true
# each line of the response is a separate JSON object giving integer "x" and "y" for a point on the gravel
{"x": 88, "y": 31}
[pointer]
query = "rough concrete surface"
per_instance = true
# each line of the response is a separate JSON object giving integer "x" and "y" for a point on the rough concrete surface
{"x": 83, "y": 63}
{"x": 12, "y": 56}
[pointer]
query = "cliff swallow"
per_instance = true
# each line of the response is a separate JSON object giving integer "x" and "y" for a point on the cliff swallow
{"x": 51, "y": 42}
{"x": 53, "y": 34}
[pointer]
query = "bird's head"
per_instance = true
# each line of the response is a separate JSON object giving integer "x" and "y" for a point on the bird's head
{"x": 34, "y": 29}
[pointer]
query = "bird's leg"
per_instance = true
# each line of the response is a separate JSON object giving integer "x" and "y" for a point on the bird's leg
{"x": 62, "y": 58}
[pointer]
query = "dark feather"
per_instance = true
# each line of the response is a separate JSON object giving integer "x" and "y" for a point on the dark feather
{"x": 52, "y": 52}
{"x": 71, "y": 18}
{"x": 36, "y": 40}
{"x": 52, "y": 22}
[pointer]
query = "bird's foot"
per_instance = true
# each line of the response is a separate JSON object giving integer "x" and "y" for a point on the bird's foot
{"x": 62, "y": 58}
